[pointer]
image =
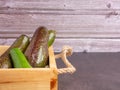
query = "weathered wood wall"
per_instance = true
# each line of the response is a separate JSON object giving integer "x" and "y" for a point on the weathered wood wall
{"x": 86, "y": 25}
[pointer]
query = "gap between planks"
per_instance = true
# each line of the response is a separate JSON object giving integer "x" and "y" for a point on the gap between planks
{"x": 81, "y": 45}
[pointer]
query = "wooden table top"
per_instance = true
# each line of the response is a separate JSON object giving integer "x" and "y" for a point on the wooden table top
{"x": 95, "y": 71}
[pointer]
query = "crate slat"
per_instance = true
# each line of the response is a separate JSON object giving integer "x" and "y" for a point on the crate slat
{"x": 44, "y": 85}
{"x": 29, "y": 78}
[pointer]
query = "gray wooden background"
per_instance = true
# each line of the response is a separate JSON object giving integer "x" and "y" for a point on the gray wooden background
{"x": 86, "y": 25}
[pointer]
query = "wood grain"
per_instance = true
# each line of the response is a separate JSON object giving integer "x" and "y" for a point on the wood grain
{"x": 89, "y": 45}
{"x": 19, "y": 75}
{"x": 61, "y": 4}
{"x": 31, "y": 78}
{"x": 54, "y": 71}
{"x": 86, "y": 20}
{"x": 25, "y": 86}
{"x": 28, "y": 79}
{"x": 81, "y": 45}
{"x": 75, "y": 26}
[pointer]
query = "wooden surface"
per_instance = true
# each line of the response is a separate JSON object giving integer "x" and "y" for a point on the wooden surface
{"x": 54, "y": 74}
{"x": 86, "y": 25}
{"x": 31, "y": 78}
{"x": 28, "y": 79}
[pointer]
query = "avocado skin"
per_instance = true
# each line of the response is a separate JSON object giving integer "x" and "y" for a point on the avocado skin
{"x": 52, "y": 36}
{"x": 37, "y": 51}
{"x": 21, "y": 42}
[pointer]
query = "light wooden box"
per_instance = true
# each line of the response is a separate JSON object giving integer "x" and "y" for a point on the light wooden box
{"x": 32, "y": 79}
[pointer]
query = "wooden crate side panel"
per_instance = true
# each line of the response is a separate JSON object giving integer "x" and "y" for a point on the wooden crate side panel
{"x": 53, "y": 67}
{"x": 25, "y": 75}
{"x": 52, "y": 58}
{"x": 44, "y": 85}
{"x": 23, "y": 78}
{"x": 3, "y": 49}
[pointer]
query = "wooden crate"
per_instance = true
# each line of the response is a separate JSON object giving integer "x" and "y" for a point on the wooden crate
{"x": 31, "y": 79}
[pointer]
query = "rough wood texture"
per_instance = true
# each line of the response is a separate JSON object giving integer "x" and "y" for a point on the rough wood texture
{"x": 71, "y": 26}
{"x": 72, "y": 19}
{"x": 82, "y": 45}
{"x": 61, "y": 4}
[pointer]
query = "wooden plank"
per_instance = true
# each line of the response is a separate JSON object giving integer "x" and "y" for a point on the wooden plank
{"x": 54, "y": 73}
{"x": 24, "y": 75}
{"x": 94, "y": 22}
{"x": 62, "y": 7}
{"x": 62, "y": 12}
{"x": 17, "y": 79}
{"x": 18, "y": 75}
{"x": 61, "y": 4}
{"x": 28, "y": 79}
{"x": 81, "y": 45}
{"x": 89, "y": 45}
{"x": 2, "y": 50}
{"x": 52, "y": 59}
{"x": 73, "y": 26}
{"x": 44, "y": 85}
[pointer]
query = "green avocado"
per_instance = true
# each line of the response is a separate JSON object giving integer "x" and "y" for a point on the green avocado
{"x": 21, "y": 42}
{"x": 52, "y": 36}
{"x": 37, "y": 51}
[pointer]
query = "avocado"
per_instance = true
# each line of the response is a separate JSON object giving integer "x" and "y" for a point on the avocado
{"x": 21, "y": 42}
{"x": 37, "y": 51}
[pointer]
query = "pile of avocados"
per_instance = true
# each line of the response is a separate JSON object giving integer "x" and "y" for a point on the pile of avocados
{"x": 26, "y": 52}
